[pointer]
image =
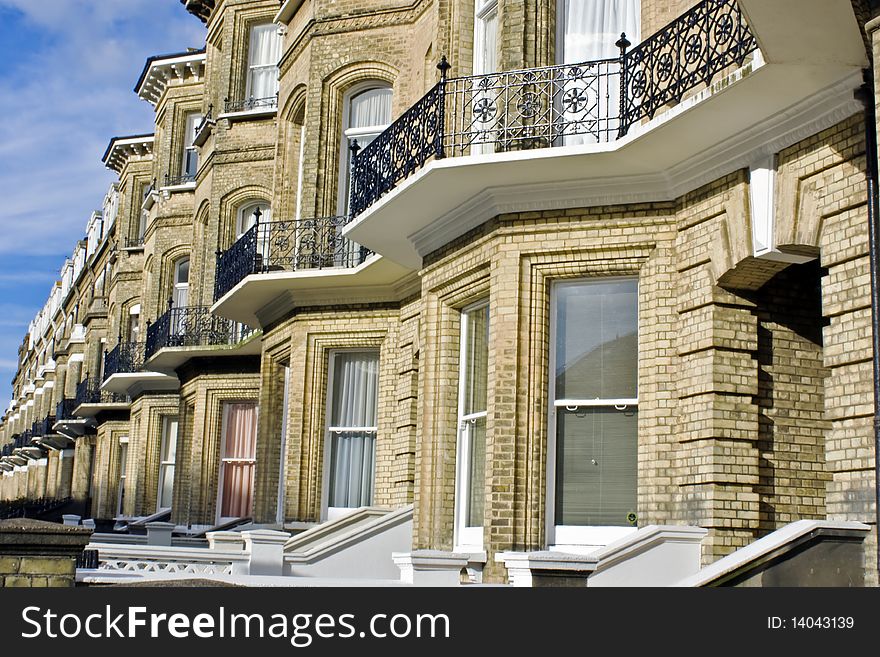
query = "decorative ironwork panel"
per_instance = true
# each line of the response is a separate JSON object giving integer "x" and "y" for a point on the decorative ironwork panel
{"x": 64, "y": 409}
{"x": 248, "y": 104}
{"x": 237, "y": 262}
{"x": 124, "y": 358}
{"x": 89, "y": 392}
{"x": 684, "y": 55}
{"x": 402, "y": 149}
{"x": 191, "y": 327}
{"x": 287, "y": 246}
{"x": 171, "y": 181}
{"x": 533, "y": 108}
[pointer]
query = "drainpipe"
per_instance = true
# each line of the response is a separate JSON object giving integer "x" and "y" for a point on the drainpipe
{"x": 866, "y": 95}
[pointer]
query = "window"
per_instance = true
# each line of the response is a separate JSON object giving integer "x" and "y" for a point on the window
{"x": 190, "y": 164}
{"x": 263, "y": 55}
{"x": 351, "y": 429}
{"x": 594, "y": 438}
{"x": 238, "y": 458}
{"x": 247, "y": 217}
{"x": 485, "y": 37}
{"x": 588, "y": 31}
{"x": 367, "y": 114}
{"x": 142, "y": 220}
{"x": 485, "y": 61}
{"x": 122, "y": 465}
{"x": 472, "y": 411}
{"x": 180, "y": 292}
{"x": 134, "y": 323}
{"x": 279, "y": 514}
{"x": 167, "y": 456}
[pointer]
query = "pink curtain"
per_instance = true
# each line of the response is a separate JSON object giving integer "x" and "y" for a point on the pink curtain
{"x": 240, "y": 441}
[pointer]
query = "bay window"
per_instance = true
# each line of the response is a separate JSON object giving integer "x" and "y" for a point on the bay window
{"x": 350, "y": 442}
{"x": 237, "y": 461}
{"x": 472, "y": 412}
{"x": 592, "y": 462}
{"x": 263, "y": 54}
{"x": 167, "y": 458}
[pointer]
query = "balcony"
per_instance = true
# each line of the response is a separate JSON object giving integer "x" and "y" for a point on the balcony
{"x": 305, "y": 256}
{"x": 689, "y": 104}
{"x": 191, "y": 332}
{"x": 182, "y": 181}
{"x": 124, "y": 358}
{"x": 64, "y": 410}
{"x": 91, "y": 399}
{"x": 43, "y": 427}
{"x": 247, "y": 108}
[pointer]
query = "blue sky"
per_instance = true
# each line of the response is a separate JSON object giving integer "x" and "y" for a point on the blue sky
{"x": 65, "y": 88}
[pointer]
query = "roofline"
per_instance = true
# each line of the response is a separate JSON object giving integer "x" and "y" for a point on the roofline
{"x": 155, "y": 58}
{"x": 116, "y": 140}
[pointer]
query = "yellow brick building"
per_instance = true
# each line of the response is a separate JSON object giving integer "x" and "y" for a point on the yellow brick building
{"x": 546, "y": 283}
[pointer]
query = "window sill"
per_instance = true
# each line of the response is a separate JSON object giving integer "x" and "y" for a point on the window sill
{"x": 247, "y": 115}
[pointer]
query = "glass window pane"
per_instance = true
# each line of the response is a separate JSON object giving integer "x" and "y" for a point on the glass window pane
{"x": 355, "y": 389}
{"x": 476, "y": 472}
{"x": 597, "y": 340}
{"x": 370, "y": 108}
{"x": 596, "y": 466}
{"x": 352, "y": 463}
{"x": 476, "y": 360}
{"x": 241, "y": 431}
{"x": 166, "y": 486}
{"x": 169, "y": 441}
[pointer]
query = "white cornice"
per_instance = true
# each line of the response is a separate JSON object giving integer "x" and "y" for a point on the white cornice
{"x": 121, "y": 149}
{"x": 161, "y": 72}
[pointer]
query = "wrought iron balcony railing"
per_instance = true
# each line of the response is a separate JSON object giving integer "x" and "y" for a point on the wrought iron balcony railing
{"x": 7, "y": 449}
{"x": 249, "y": 104}
{"x": 64, "y": 409}
{"x": 183, "y": 179}
{"x": 287, "y": 246}
{"x": 89, "y": 392}
{"x": 589, "y": 102}
{"x": 134, "y": 242}
{"x": 192, "y": 326}
{"x": 124, "y": 358}
{"x": 43, "y": 427}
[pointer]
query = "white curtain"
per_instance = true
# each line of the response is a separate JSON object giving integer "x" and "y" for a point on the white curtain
{"x": 264, "y": 53}
{"x": 353, "y": 450}
{"x": 240, "y": 447}
{"x": 592, "y": 27}
{"x": 370, "y": 108}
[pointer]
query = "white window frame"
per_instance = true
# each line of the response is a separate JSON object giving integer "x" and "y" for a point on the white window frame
{"x": 223, "y": 460}
{"x": 191, "y": 123}
{"x": 465, "y": 538}
{"x": 254, "y": 67}
{"x": 482, "y": 14}
{"x": 165, "y": 466}
{"x": 122, "y": 462}
{"x": 332, "y": 512}
{"x": 574, "y": 538}
{"x": 350, "y": 134}
{"x": 179, "y": 286}
{"x": 282, "y": 466}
